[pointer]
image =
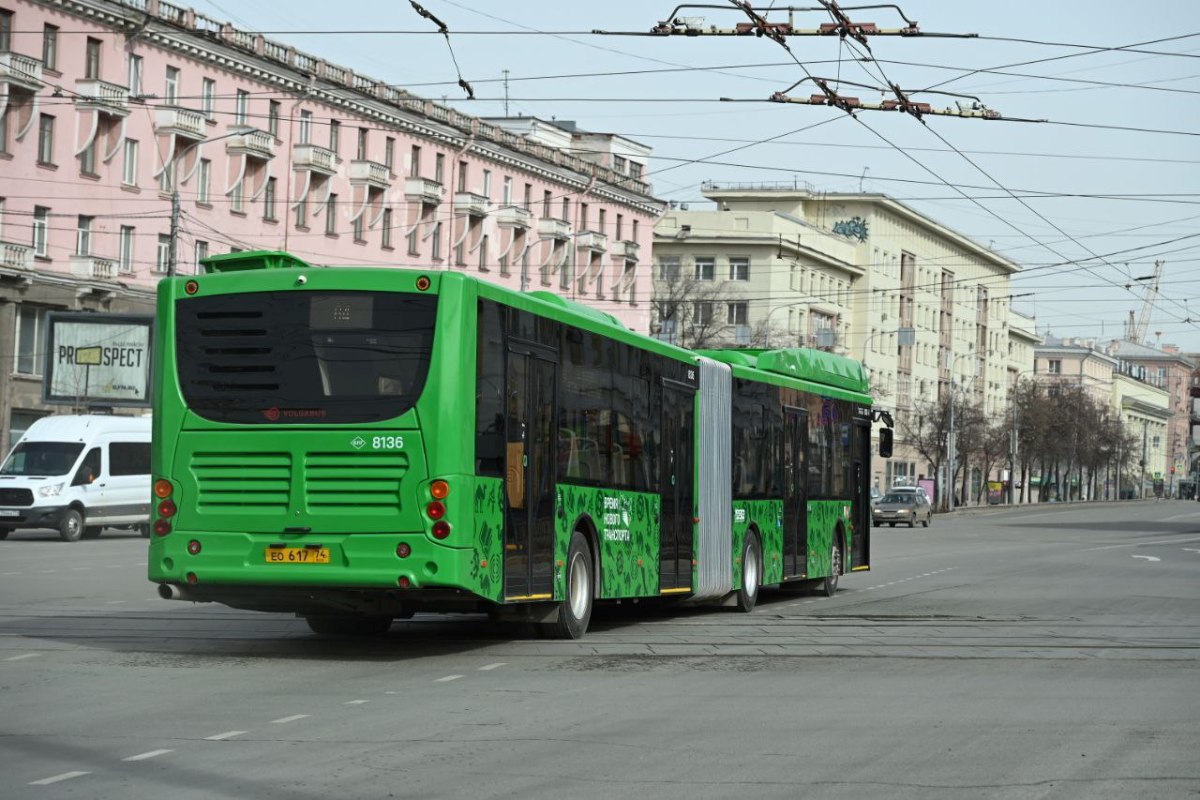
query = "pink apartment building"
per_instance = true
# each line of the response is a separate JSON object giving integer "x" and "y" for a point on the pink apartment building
{"x": 137, "y": 137}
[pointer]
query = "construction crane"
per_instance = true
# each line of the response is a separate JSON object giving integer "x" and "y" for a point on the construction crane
{"x": 1137, "y": 329}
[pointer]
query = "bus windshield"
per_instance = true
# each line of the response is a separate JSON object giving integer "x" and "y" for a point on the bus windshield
{"x": 319, "y": 357}
{"x": 42, "y": 458}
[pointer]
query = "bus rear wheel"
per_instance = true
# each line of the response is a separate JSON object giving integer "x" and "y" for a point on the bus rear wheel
{"x": 575, "y": 611}
{"x": 348, "y": 624}
{"x": 747, "y": 596}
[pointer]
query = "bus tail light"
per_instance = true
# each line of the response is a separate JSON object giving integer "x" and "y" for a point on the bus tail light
{"x": 441, "y": 529}
{"x": 167, "y": 508}
{"x": 435, "y": 510}
{"x": 162, "y": 527}
{"x": 439, "y": 490}
{"x": 163, "y": 488}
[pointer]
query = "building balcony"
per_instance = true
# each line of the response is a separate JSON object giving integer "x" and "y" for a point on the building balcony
{"x": 21, "y": 72}
{"x": 312, "y": 158}
{"x": 101, "y": 269}
{"x": 255, "y": 144}
{"x": 551, "y": 228}
{"x": 422, "y": 190}
{"x": 471, "y": 204}
{"x": 107, "y": 98}
{"x": 592, "y": 240}
{"x": 181, "y": 122}
{"x": 626, "y": 249}
{"x": 371, "y": 174}
{"x": 514, "y": 217}
{"x": 16, "y": 256}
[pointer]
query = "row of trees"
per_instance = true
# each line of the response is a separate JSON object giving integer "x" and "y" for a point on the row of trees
{"x": 1074, "y": 446}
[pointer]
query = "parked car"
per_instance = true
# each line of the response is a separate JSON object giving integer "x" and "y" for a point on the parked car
{"x": 875, "y": 495}
{"x": 919, "y": 490}
{"x": 902, "y": 507}
{"x": 78, "y": 474}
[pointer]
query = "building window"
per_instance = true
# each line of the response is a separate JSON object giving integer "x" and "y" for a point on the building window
{"x": 242, "y": 108}
{"x": 702, "y": 313}
{"x": 527, "y": 201}
{"x": 414, "y": 240}
{"x": 162, "y": 257}
{"x": 635, "y": 170}
{"x": 389, "y": 153}
{"x": 83, "y": 236}
{"x": 129, "y": 172}
{"x": 46, "y": 139}
{"x": 1054, "y": 367}
{"x": 335, "y": 135}
{"x": 460, "y": 254}
{"x": 91, "y": 59}
{"x": 436, "y": 246}
{"x": 738, "y": 313}
{"x": 31, "y": 323}
{"x": 125, "y": 249}
{"x": 506, "y": 191}
{"x": 201, "y": 254}
{"x": 208, "y": 91}
{"x": 331, "y": 215}
{"x": 4, "y": 132}
{"x": 414, "y": 165}
{"x": 302, "y": 214}
{"x": 172, "y": 86}
{"x": 237, "y": 203}
{"x": 487, "y": 184}
{"x": 41, "y": 231}
{"x": 546, "y": 205}
{"x": 739, "y": 269}
{"x": 6, "y": 21}
{"x": 305, "y": 127}
{"x": 87, "y": 159}
{"x": 269, "y": 201}
{"x": 619, "y": 233}
{"x": 362, "y": 144}
{"x": 566, "y": 210}
{"x": 203, "y": 179}
{"x": 439, "y": 167}
{"x": 668, "y": 267}
{"x": 359, "y": 229}
{"x": 386, "y": 242}
{"x": 462, "y": 176}
{"x": 483, "y": 254}
{"x": 135, "y": 76}
{"x": 705, "y": 269}
{"x": 620, "y": 164}
{"x": 273, "y": 107}
{"x": 50, "y": 47}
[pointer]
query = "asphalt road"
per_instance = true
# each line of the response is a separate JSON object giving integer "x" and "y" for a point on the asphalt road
{"x": 1025, "y": 653}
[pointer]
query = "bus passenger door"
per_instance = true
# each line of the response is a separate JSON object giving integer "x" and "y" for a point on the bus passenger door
{"x": 860, "y": 491}
{"x": 677, "y": 462}
{"x": 529, "y": 476}
{"x": 795, "y": 492}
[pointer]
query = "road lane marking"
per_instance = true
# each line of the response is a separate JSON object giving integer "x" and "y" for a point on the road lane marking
{"x": 149, "y": 754}
{"x": 354, "y": 702}
{"x": 292, "y": 718}
{"x": 448, "y": 678}
{"x": 22, "y": 657}
{"x": 491, "y": 667}
{"x": 225, "y": 735}
{"x": 1144, "y": 544}
{"x": 66, "y": 776}
{"x": 1148, "y": 558}
{"x": 1192, "y": 549}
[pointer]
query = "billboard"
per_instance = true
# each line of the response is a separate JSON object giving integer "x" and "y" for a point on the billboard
{"x": 97, "y": 359}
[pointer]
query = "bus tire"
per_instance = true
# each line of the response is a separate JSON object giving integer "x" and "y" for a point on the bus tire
{"x": 575, "y": 611}
{"x": 348, "y": 624}
{"x": 70, "y": 527}
{"x": 829, "y": 585}
{"x": 747, "y": 596}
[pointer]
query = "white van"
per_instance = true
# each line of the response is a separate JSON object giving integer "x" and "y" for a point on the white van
{"x": 78, "y": 475}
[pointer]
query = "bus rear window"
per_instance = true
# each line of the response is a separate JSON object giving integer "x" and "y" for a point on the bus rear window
{"x": 307, "y": 357}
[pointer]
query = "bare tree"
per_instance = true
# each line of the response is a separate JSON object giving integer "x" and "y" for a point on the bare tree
{"x": 688, "y": 312}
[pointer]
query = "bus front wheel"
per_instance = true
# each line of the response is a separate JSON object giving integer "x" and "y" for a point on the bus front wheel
{"x": 575, "y": 611}
{"x": 829, "y": 585}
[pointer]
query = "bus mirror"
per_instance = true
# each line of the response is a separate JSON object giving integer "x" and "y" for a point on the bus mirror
{"x": 885, "y": 442}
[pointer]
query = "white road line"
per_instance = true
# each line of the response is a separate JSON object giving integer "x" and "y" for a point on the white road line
{"x": 225, "y": 735}
{"x": 22, "y": 657}
{"x": 114, "y": 602}
{"x": 149, "y": 754}
{"x": 491, "y": 667}
{"x": 448, "y": 678}
{"x": 1148, "y": 558}
{"x": 292, "y": 718}
{"x": 1144, "y": 544}
{"x": 10, "y": 573}
{"x": 354, "y": 702}
{"x": 66, "y": 776}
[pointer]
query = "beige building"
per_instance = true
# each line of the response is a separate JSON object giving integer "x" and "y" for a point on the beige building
{"x": 1171, "y": 371}
{"x": 863, "y": 275}
{"x": 1145, "y": 413}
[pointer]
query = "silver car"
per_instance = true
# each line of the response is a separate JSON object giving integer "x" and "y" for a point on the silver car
{"x": 902, "y": 507}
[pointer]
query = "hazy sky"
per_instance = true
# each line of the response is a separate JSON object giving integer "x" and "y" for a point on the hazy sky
{"x": 1109, "y": 184}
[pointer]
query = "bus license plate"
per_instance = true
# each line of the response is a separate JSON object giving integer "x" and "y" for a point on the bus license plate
{"x": 297, "y": 555}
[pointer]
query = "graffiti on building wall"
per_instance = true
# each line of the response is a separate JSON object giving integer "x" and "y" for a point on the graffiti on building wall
{"x": 854, "y": 228}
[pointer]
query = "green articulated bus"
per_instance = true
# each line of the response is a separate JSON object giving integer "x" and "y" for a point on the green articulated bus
{"x": 355, "y": 445}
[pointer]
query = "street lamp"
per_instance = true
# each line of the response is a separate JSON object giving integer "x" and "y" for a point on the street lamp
{"x": 173, "y": 243}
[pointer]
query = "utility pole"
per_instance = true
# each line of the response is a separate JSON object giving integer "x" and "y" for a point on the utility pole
{"x": 1142, "y": 477}
{"x": 505, "y": 91}
{"x": 172, "y": 252}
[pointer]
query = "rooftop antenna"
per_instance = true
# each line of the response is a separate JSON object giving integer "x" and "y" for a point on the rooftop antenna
{"x": 505, "y": 91}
